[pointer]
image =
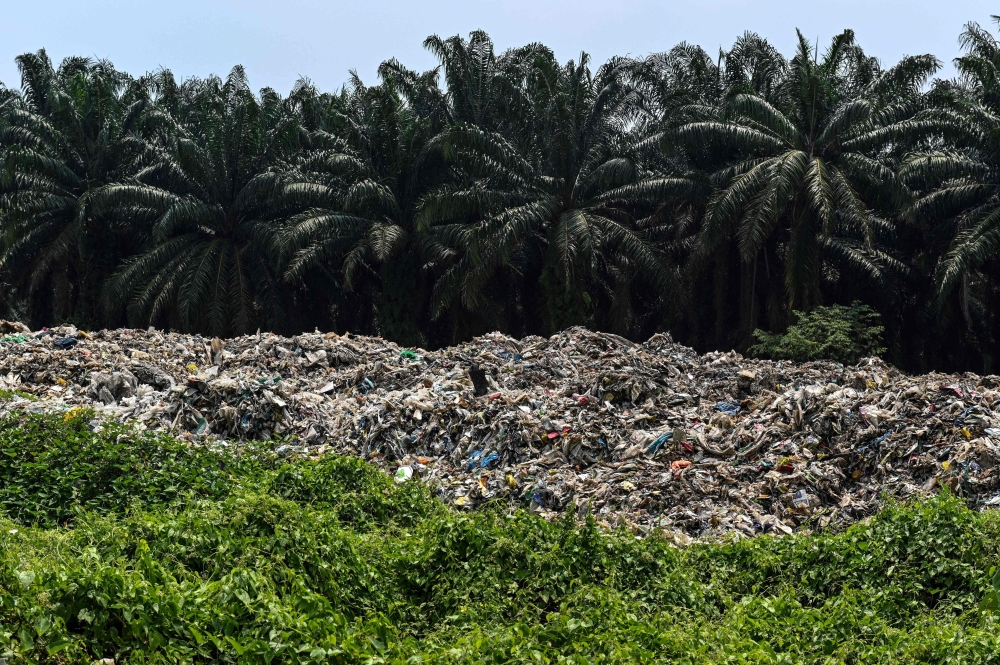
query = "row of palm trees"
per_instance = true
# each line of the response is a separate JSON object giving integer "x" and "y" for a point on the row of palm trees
{"x": 708, "y": 196}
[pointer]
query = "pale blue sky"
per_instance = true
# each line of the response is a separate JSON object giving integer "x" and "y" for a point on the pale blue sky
{"x": 278, "y": 41}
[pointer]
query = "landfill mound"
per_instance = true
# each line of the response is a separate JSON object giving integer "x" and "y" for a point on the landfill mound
{"x": 651, "y": 435}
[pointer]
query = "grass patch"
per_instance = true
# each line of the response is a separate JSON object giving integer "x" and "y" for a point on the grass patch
{"x": 181, "y": 554}
{"x": 13, "y": 394}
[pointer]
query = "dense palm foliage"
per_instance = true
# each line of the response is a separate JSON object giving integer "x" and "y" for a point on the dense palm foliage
{"x": 811, "y": 169}
{"x": 554, "y": 210}
{"x": 208, "y": 200}
{"x": 959, "y": 179}
{"x": 360, "y": 180}
{"x": 704, "y": 195}
{"x": 72, "y": 131}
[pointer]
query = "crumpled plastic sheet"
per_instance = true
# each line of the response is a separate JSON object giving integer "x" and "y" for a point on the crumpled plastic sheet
{"x": 652, "y": 436}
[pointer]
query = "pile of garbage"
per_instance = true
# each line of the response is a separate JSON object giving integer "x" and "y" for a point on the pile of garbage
{"x": 651, "y": 435}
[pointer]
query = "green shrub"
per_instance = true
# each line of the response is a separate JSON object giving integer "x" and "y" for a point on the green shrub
{"x": 332, "y": 562}
{"x": 53, "y": 466}
{"x": 358, "y": 492}
{"x": 838, "y": 333}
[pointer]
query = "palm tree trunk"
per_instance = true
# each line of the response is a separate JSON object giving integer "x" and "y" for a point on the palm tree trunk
{"x": 748, "y": 302}
{"x": 721, "y": 288}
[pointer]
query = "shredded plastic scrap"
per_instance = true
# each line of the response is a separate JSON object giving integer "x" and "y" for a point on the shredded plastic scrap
{"x": 653, "y": 435}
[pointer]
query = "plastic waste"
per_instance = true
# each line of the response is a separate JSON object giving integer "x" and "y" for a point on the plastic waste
{"x": 728, "y": 408}
{"x": 64, "y": 343}
{"x": 652, "y": 436}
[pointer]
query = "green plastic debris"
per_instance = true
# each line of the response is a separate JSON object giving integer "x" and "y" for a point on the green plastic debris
{"x": 13, "y": 339}
{"x": 409, "y": 355}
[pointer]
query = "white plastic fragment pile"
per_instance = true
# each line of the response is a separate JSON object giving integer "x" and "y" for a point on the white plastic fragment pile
{"x": 652, "y": 435}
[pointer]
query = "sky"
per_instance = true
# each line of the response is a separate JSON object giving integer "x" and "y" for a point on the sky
{"x": 280, "y": 41}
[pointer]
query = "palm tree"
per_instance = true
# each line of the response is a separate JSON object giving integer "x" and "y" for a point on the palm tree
{"x": 209, "y": 199}
{"x": 963, "y": 181}
{"x": 370, "y": 165}
{"x": 71, "y": 131}
{"x": 359, "y": 186}
{"x": 958, "y": 177}
{"x": 810, "y": 168}
{"x": 549, "y": 206}
{"x": 480, "y": 88}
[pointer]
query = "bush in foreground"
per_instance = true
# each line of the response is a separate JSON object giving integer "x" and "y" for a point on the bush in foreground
{"x": 200, "y": 556}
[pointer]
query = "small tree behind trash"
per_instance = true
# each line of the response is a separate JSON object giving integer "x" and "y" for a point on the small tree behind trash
{"x": 841, "y": 333}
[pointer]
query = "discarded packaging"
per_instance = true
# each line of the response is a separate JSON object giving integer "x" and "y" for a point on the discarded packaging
{"x": 652, "y": 436}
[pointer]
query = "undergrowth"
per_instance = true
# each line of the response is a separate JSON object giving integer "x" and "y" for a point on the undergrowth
{"x": 139, "y": 547}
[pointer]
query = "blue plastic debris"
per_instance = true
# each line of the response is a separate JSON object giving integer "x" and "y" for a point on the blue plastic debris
{"x": 489, "y": 459}
{"x": 728, "y": 408}
{"x": 474, "y": 457}
{"x": 663, "y": 438}
{"x": 881, "y": 438}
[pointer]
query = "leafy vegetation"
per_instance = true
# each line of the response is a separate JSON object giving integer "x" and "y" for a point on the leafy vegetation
{"x": 843, "y": 334}
{"x": 204, "y": 555}
{"x": 708, "y": 196}
{"x": 12, "y": 394}
{"x": 53, "y": 468}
